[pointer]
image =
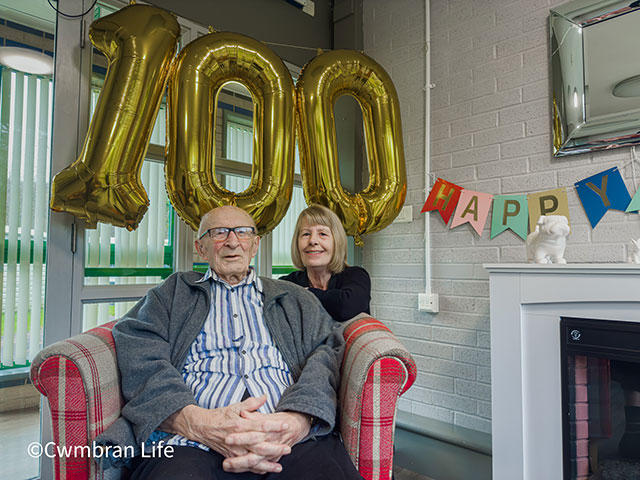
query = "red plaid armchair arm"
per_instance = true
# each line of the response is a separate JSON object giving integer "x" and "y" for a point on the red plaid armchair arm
{"x": 79, "y": 376}
{"x": 376, "y": 370}
{"x": 80, "y": 379}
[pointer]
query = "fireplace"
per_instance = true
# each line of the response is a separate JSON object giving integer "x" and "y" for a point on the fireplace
{"x": 527, "y": 303}
{"x": 600, "y": 398}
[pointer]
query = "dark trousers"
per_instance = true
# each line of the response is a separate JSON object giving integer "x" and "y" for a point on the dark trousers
{"x": 320, "y": 459}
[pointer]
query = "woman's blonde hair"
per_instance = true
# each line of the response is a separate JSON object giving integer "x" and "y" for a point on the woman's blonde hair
{"x": 320, "y": 215}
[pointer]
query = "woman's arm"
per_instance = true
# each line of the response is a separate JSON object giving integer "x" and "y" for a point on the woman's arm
{"x": 350, "y": 298}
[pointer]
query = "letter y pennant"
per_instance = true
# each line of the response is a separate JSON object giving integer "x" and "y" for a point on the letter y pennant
{"x": 601, "y": 192}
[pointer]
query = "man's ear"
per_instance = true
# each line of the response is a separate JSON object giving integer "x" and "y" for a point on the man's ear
{"x": 255, "y": 247}
{"x": 198, "y": 247}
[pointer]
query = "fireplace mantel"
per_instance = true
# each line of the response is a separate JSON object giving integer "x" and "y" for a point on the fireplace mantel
{"x": 527, "y": 301}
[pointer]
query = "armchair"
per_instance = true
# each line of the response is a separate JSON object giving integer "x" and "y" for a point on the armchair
{"x": 80, "y": 378}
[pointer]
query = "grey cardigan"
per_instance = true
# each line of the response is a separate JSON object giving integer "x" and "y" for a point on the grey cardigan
{"x": 154, "y": 338}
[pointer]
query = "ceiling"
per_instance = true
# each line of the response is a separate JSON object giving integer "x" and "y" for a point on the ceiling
{"x": 33, "y": 13}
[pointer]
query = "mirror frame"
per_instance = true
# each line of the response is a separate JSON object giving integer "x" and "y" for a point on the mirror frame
{"x": 572, "y": 132}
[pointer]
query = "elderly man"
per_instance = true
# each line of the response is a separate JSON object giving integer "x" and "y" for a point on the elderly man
{"x": 237, "y": 373}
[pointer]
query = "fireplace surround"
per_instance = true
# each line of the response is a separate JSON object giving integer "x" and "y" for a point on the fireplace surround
{"x": 527, "y": 302}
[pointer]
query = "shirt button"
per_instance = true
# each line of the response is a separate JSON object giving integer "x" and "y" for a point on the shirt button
{"x": 235, "y": 315}
{"x": 231, "y": 289}
{"x": 243, "y": 352}
{"x": 246, "y": 376}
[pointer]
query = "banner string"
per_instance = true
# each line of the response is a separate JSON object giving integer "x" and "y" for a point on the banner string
{"x": 299, "y": 47}
{"x": 634, "y": 160}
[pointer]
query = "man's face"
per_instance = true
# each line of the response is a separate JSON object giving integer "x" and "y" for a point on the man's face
{"x": 230, "y": 257}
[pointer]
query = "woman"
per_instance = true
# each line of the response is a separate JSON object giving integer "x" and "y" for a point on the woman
{"x": 319, "y": 250}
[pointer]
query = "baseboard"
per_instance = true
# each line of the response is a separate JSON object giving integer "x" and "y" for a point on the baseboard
{"x": 440, "y": 450}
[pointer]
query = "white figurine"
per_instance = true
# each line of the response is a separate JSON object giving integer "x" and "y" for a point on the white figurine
{"x": 634, "y": 251}
{"x": 547, "y": 242}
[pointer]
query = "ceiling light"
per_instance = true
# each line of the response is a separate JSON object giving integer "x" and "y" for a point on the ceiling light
{"x": 629, "y": 87}
{"x": 26, "y": 60}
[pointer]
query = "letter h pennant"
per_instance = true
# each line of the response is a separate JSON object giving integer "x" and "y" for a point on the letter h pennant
{"x": 444, "y": 198}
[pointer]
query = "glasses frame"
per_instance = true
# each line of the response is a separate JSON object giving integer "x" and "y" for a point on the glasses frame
{"x": 229, "y": 230}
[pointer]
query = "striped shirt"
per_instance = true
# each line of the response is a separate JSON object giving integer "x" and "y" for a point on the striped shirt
{"x": 234, "y": 351}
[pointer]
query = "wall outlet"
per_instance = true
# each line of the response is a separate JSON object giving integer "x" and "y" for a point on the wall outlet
{"x": 405, "y": 215}
{"x": 428, "y": 302}
{"x": 309, "y": 8}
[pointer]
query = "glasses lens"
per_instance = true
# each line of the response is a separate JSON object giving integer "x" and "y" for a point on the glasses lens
{"x": 219, "y": 233}
{"x": 244, "y": 232}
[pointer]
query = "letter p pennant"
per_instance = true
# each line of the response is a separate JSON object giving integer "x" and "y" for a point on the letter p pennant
{"x": 444, "y": 198}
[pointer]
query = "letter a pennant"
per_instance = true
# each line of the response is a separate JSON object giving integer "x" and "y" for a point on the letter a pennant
{"x": 601, "y": 192}
{"x": 444, "y": 198}
{"x": 473, "y": 207}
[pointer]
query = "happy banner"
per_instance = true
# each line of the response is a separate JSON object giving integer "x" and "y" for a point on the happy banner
{"x": 597, "y": 193}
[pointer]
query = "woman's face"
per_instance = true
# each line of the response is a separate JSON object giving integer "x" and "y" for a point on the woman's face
{"x": 315, "y": 244}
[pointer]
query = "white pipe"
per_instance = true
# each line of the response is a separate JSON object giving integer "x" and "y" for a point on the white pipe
{"x": 428, "y": 301}
{"x": 427, "y": 143}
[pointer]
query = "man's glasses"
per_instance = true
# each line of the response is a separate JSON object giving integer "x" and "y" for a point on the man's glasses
{"x": 220, "y": 234}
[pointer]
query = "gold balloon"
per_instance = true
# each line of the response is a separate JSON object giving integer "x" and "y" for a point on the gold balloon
{"x": 321, "y": 82}
{"x": 103, "y": 184}
{"x": 200, "y": 69}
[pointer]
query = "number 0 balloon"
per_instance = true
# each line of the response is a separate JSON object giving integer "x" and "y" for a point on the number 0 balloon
{"x": 321, "y": 82}
{"x": 201, "y": 69}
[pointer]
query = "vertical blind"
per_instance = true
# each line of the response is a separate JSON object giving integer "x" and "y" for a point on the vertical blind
{"x": 25, "y": 140}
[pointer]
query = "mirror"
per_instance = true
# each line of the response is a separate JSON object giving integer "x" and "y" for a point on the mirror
{"x": 595, "y": 75}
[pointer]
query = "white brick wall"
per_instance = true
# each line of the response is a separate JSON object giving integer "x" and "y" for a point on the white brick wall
{"x": 490, "y": 131}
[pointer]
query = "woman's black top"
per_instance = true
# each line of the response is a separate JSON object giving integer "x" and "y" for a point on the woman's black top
{"x": 347, "y": 294}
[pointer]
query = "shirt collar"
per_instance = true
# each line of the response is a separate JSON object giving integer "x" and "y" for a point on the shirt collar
{"x": 252, "y": 277}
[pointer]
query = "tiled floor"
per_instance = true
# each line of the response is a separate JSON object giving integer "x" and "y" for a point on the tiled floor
{"x": 404, "y": 474}
{"x": 19, "y": 428}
